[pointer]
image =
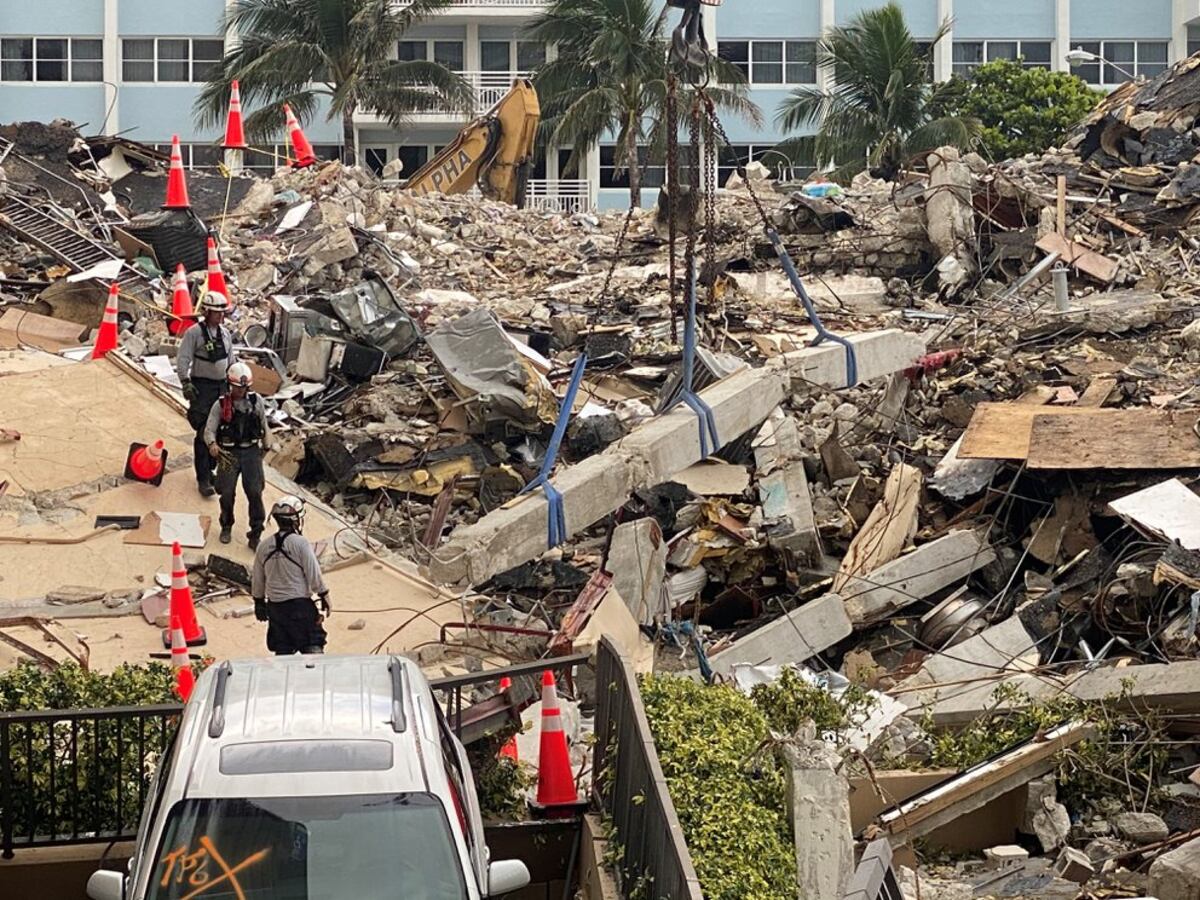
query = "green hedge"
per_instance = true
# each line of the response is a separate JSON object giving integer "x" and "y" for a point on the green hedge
{"x": 82, "y": 777}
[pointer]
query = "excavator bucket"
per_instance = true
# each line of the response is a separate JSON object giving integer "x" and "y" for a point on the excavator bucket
{"x": 494, "y": 152}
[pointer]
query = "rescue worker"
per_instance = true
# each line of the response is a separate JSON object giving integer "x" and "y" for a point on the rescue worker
{"x": 205, "y": 354}
{"x": 237, "y": 434}
{"x": 286, "y": 576}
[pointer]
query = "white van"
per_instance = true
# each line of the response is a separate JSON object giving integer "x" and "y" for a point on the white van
{"x": 312, "y": 778}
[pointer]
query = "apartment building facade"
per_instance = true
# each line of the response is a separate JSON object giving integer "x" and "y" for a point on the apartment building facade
{"x": 136, "y": 67}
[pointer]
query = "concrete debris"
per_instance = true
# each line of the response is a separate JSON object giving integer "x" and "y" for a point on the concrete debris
{"x": 964, "y": 510}
{"x": 820, "y": 816}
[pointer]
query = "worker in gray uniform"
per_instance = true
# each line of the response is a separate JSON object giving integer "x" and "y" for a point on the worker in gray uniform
{"x": 237, "y": 435}
{"x": 205, "y": 355}
{"x": 285, "y": 579}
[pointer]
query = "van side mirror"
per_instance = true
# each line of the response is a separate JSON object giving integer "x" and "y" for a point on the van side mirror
{"x": 105, "y": 884}
{"x": 504, "y": 876}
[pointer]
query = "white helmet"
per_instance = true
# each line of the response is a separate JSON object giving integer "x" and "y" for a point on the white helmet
{"x": 288, "y": 512}
{"x": 215, "y": 301}
{"x": 240, "y": 375}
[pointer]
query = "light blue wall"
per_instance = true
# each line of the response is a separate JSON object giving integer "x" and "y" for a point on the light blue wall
{"x": 1120, "y": 19}
{"x": 68, "y": 18}
{"x": 618, "y": 198}
{"x": 741, "y": 131}
{"x": 766, "y": 18}
{"x": 166, "y": 18}
{"x": 1011, "y": 19}
{"x": 83, "y": 105}
{"x": 921, "y": 15}
{"x": 152, "y": 113}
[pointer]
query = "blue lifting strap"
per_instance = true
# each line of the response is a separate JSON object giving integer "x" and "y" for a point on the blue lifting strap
{"x": 798, "y": 286}
{"x": 556, "y": 516}
{"x": 708, "y": 422}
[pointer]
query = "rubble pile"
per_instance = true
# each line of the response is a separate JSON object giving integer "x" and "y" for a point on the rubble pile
{"x": 982, "y": 515}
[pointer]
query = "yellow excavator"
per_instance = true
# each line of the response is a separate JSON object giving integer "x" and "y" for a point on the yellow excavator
{"x": 495, "y": 151}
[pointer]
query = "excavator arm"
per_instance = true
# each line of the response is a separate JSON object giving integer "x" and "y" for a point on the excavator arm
{"x": 495, "y": 151}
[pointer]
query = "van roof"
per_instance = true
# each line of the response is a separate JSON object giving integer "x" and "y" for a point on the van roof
{"x": 310, "y": 725}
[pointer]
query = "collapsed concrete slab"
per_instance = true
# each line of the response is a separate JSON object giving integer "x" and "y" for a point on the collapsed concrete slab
{"x": 788, "y": 512}
{"x": 793, "y": 638}
{"x": 820, "y": 814}
{"x": 1176, "y": 875}
{"x": 656, "y": 450}
{"x": 637, "y": 559}
{"x": 914, "y": 576}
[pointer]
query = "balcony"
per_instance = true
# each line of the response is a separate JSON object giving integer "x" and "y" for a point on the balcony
{"x": 487, "y": 87}
{"x": 497, "y": 8}
{"x": 562, "y": 195}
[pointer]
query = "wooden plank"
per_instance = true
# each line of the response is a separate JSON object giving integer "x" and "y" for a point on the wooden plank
{"x": 1097, "y": 392}
{"x": 1002, "y": 430}
{"x": 1115, "y": 439}
{"x": 980, "y": 784}
{"x": 888, "y": 528}
{"x": 1075, "y": 254}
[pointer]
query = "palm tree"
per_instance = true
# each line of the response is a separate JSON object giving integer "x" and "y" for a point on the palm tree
{"x": 299, "y": 51}
{"x": 878, "y": 112}
{"x": 610, "y": 78}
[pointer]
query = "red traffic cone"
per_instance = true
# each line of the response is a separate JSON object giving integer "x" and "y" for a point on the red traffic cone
{"x": 106, "y": 337}
{"x": 181, "y": 603}
{"x": 146, "y": 463}
{"x": 185, "y": 678}
{"x": 235, "y": 135}
{"x": 556, "y": 782}
{"x": 177, "y": 195}
{"x": 216, "y": 277}
{"x": 181, "y": 303}
{"x": 304, "y": 150}
{"x": 510, "y": 746}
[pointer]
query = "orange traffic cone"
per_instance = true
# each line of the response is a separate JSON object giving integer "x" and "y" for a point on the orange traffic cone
{"x": 510, "y": 746}
{"x": 216, "y": 277}
{"x": 181, "y": 303}
{"x": 177, "y": 195}
{"x": 146, "y": 463}
{"x": 106, "y": 337}
{"x": 235, "y": 135}
{"x": 181, "y": 603}
{"x": 556, "y": 783}
{"x": 185, "y": 678}
{"x": 304, "y": 150}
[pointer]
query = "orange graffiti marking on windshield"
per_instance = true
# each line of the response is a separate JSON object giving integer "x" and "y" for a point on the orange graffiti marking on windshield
{"x": 194, "y": 868}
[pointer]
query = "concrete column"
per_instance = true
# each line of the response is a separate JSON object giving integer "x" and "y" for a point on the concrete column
{"x": 234, "y": 159}
{"x": 828, "y": 20}
{"x": 820, "y": 814}
{"x": 1182, "y": 12}
{"x": 943, "y": 53}
{"x": 111, "y": 69}
{"x": 1062, "y": 35}
{"x": 471, "y": 50}
{"x": 592, "y": 169}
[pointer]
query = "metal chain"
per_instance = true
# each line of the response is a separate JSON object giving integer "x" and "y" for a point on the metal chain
{"x": 689, "y": 252}
{"x": 741, "y": 169}
{"x": 672, "y": 117}
{"x": 710, "y": 208}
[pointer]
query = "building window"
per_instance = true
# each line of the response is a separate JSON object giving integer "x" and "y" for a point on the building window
{"x": 51, "y": 59}
{"x": 731, "y": 156}
{"x": 495, "y": 56}
{"x": 772, "y": 62}
{"x": 1030, "y": 54}
{"x": 171, "y": 59}
{"x": 413, "y": 157}
{"x": 654, "y": 175}
{"x": 1121, "y": 59}
{"x": 1193, "y": 39}
{"x": 447, "y": 53}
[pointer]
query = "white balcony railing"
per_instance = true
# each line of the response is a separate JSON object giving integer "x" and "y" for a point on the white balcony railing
{"x": 564, "y": 195}
{"x": 476, "y": 4}
{"x": 489, "y": 87}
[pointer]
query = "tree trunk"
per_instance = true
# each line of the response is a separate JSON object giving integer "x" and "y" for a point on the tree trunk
{"x": 635, "y": 168}
{"x": 349, "y": 146}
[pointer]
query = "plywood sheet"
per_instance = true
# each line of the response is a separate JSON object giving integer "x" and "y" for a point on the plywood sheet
{"x": 1001, "y": 430}
{"x": 77, "y": 423}
{"x": 1115, "y": 439}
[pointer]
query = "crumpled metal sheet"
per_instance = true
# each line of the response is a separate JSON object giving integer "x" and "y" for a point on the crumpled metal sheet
{"x": 500, "y": 385}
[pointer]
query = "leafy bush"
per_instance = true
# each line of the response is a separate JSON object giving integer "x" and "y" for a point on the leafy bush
{"x": 500, "y": 782}
{"x": 729, "y": 792}
{"x": 791, "y": 702}
{"x": 1021, "y": 110}
{"x": 88, "y": 775}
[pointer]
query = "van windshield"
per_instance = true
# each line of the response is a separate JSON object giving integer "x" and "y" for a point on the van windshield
{"x": 359, "y": 847}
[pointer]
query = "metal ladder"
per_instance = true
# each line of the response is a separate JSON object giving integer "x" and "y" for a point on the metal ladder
{"x": 74, "y": 248}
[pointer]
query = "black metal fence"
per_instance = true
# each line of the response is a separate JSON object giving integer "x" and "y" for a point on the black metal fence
{"x": 654, "y": 860}
{"x": 77, "y": 776}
